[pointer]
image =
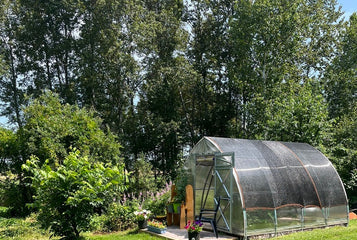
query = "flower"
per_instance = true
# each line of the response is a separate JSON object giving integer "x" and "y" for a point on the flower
{"x": 195, "y": 226}
{"x": 157, "y": 224}
{"x": 142, "y": 215}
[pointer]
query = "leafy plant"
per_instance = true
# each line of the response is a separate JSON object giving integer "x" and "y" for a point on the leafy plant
{"x": 181, "y": 183}
{"x": 11, "y": 196}
{"x": 118, "y": 217}
{"x": 68, "y": 196}
{"x": 157, "y": 202}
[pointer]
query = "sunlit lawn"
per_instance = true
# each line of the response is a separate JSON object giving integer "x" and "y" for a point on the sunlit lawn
{"x": 332, "y": 233}
{"x": 121, "y": 236}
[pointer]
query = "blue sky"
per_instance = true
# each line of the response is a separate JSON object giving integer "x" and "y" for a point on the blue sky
{"x": 348, "y": 6}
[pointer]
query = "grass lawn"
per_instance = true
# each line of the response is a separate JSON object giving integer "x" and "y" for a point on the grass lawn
{"x": 121, "y": 236}
{"x": 332, "y": 233}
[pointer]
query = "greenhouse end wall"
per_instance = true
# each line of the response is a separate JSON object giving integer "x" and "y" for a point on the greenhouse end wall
{"x": 267, "y": 187}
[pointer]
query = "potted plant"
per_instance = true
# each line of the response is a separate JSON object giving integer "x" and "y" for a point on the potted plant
{"x": 141, "y": 218}
{"x": 156, "y": 226}
{"x": 193, "y": 229}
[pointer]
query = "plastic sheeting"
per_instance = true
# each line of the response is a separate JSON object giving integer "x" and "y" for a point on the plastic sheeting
{"x": 266, "y": 186}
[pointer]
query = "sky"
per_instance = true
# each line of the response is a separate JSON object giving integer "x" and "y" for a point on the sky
{"x": 348, "y": 6}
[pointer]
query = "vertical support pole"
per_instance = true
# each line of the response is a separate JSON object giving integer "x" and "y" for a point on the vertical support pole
{"x": 245, "y": 224}
{"x": 275, "y": 221}
{"x": 324, "y": 214}
{"x": 302, "y": 218}
{"x": 348, "y": 216}
{"x": 231, "y": 193}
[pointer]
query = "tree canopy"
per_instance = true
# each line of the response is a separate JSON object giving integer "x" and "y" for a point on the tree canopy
{"x": 160, "y": 74}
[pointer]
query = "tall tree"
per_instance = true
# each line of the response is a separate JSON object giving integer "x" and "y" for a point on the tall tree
{"x": 208, "y": 52}
{"x": 107, "y": 69}
{"x": 341, "y": 95}
{"x": 341, "y": 80}
{"x": 11, "y": 80}
{"x": 161, "y": 45}
{"x": 277, "y": 43}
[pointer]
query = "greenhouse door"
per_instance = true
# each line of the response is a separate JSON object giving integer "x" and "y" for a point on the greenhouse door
{"x": 223, "y": 189}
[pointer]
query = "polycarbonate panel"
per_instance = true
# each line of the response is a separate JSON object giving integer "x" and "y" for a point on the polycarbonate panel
{"x": 323, "y": 174}
{"x": 313, "y": 217}
{"x": 223, "y": 185}
{"x": 209, "y": 203}
{"x": 288, "y": 218}
{"x": 260, "y": 222}
{"x": 254, "y": 175}
{"x": 237, "y": 213}
{"x": 337, "y": 215}
{"x": 204, "y": 186}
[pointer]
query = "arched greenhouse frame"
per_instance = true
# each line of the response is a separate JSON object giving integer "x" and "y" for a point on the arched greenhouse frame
{"x": 266, "y": 187}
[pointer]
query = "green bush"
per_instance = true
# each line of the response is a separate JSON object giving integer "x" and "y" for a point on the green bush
{"x": 68, "y": 196}
{"x": 156, "y": 203}
{"x": 117, "y": 218}
{"x": 11, "y": 196}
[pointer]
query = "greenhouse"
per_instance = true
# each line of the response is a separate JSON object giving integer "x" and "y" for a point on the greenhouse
{"x": 265, "y": 187}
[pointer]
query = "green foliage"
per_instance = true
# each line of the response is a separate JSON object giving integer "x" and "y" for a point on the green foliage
{"x": 143, "y": 177}
{"x": 156, "y": 203}
{"x": 4, "y": 212}
{"x": 12, "y": 196}
{"x": 340, "y": 80}
{"x": 118, "y": 217}
{"x": 341, "y": 149}
{"x": 274, "y": 44}
{"x": 68, "y": 196}
{"x": 181, "y": 182}
{"x": 163, "y": 73}
{"x": 340, "y": 90}
{"x": 9, "y": 149}
{"x": 298, "y": 114}
{"x": 52, "y": 129}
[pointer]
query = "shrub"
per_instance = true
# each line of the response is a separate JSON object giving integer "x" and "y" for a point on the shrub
{"x": 68, "y": 196}
{"x": 119, "y": 218}
{"x": 156, "y": 203}
{"x": 11, "y": 196}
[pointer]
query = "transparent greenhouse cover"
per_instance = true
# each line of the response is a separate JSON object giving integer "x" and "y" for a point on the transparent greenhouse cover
{"x": 271, "y": 176}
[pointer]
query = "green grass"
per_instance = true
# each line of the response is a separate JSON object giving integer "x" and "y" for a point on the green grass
{"x": 332, "y": 233}
{"x": 122, "y": 236}
{"x": 21, "y": 229}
